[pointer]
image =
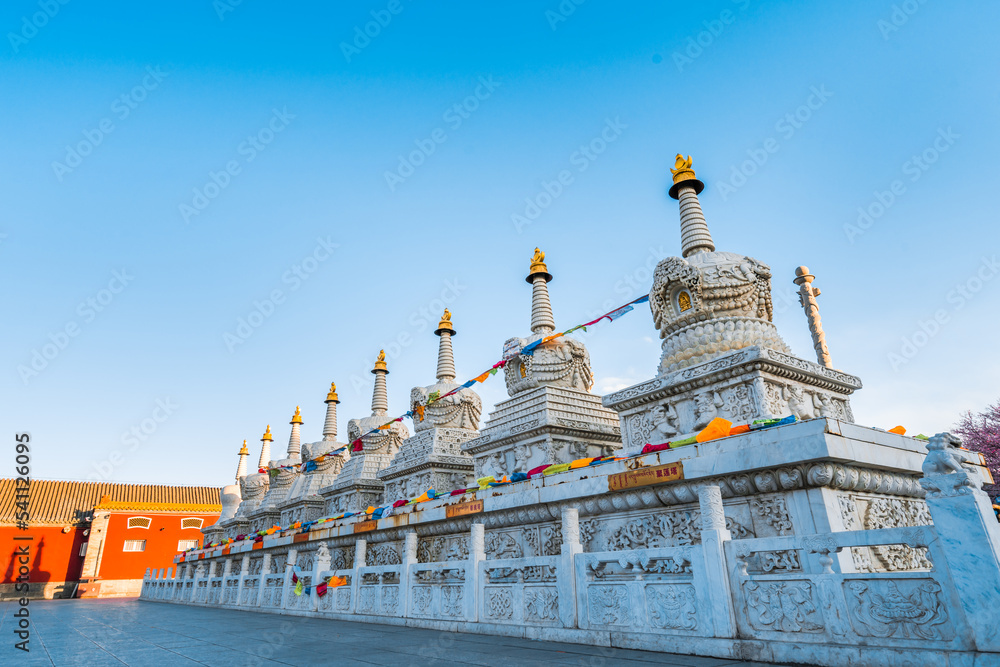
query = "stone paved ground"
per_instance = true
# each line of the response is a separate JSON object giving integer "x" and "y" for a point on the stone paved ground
{"x": 129, "y": 632}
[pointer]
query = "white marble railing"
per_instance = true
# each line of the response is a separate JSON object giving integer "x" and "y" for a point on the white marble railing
{"x": 800, "y": 598}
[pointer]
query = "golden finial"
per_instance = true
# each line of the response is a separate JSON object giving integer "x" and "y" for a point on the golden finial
{"x": 380, "y": 362}
{"x": 683, "y": 173}
{"x": 267, "y": 434}
{"x": 243, "y": 450}
{"x": 538, "y": 267}
{"x": 332, "y": 396}
{"x": 445, "y": 324}
{"x": 297, "y": 417}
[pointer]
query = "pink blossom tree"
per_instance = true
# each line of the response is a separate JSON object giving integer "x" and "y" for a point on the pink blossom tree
{"x": 981, "y": 433}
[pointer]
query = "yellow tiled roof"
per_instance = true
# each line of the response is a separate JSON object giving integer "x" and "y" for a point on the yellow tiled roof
{"x": 55, "y": 501}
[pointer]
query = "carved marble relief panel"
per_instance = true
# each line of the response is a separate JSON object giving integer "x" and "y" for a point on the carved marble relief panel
{"x": 867, "y": 512}
{"x": 661, "y": 528}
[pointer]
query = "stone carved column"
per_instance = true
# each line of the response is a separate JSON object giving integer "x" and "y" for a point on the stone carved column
{"x": 286, "y": 586}
{"x": 322, "y": 564}
{"x": 566, "y": 578}
{"x": 409, "y": 558}
{"x": 265, "y": 566}
{"x": 473, "y": 583}
{"x": 244, "y": 571}
{"x": 715, "y": 579}
{"x": 360, "y": 553}
{"x": 968, "y": 535}
{"x": 807, "y": 298}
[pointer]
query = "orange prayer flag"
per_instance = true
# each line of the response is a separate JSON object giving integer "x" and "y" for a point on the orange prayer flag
{"x": 899, "y": 430}
{"x": 717, "y": 428}
{"x": 482, "y": 378}
{"x": 742, "y": 428}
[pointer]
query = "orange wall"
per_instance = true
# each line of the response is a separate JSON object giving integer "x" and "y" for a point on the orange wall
{"x": 54, "y": 554}
{"x": 161, "y": 543}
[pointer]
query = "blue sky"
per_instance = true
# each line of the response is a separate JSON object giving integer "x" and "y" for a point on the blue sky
{"x": 167, "y": 171}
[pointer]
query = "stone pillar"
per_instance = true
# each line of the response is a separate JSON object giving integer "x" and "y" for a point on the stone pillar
{"x": 244, "y": 570}
{"x": 969, "y": 537}
{"x": 542, "y": 321}
{"x": 360, "y": 549}
{"x": 473, "y": 584}
{"x": 226, "y": 571}
{"x": 295, "y": 440}
{"x": 566, "y": 581}
{"x": 322, "y": 565}
{"x": 194, "y": 585}
{"x": 265, "y": 566}
{"x": 409, "y": 558}
{"x": 714, "y": 535}
{"x": 330, "y": 425}
{"x": 807, "y": 298}
{"x": 286, "y": 589}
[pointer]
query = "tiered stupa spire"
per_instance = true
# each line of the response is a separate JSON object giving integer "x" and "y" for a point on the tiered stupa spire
{"x": 330, "y": 425}
{"x": 295, "y": 439}
{"x": 265, "y": 449}
{"x": 241, "y": 468}
{"x": 542, "y": 321}
{"x": 380, "y": 398}
{"x": 446, "y": 359}
{"x": 695, "y": 236}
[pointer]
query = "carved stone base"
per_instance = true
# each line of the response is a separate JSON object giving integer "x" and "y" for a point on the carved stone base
{"x": 429, "y": 460}
{"x": 752, "y": 383}
{"x": 546, "y": 425}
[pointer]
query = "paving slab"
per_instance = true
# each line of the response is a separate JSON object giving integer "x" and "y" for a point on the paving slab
{"x": 133, "y": 632}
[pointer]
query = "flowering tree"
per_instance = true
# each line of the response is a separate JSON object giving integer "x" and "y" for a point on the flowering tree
{"x": 981, "y": 433}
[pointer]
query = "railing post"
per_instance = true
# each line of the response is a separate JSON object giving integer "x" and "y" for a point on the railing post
{"x": 360, "y": 549}
{"x": 265, "y": 566}
{"x": 477, "y": 554}
{"x": 714, "y": 535}
{"x": 322, "y": 565}
{"x": 566, "y": 579}
{"x": 409, "y": 559}
{"x": 969, "y": 536}
{"x": 286, "y": 589}
{"x": 244, "y": 567}
{"x": 194, "y": 585}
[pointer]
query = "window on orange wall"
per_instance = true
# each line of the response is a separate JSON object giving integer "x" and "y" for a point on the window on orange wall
{"x": 184, "y": 545}
{"x": 139, "y": 522}
{"x": 192, "y": 522}
{"x": 134, "y": 545}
